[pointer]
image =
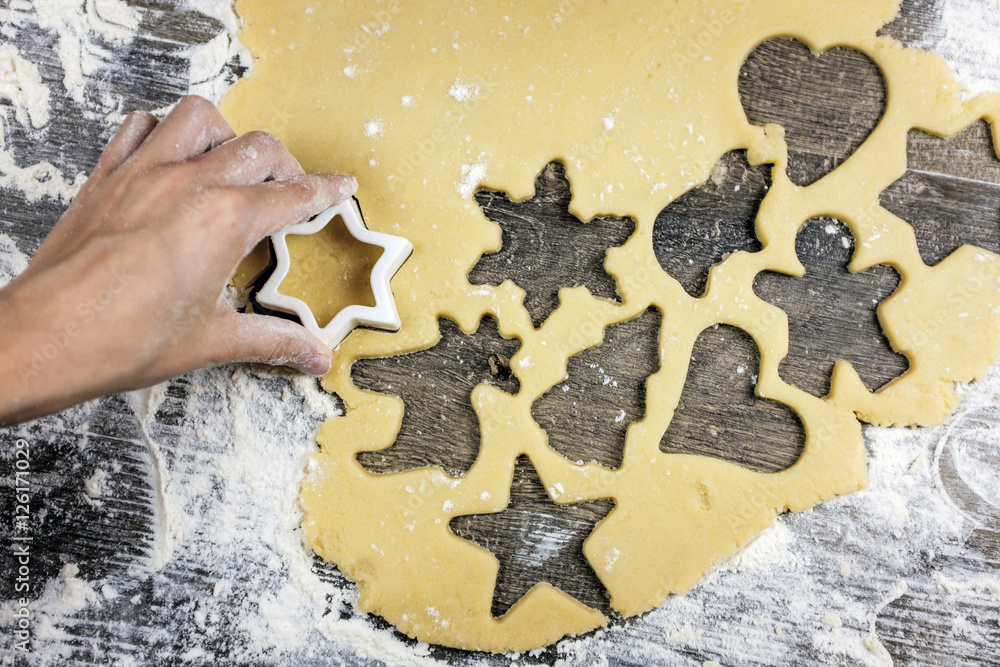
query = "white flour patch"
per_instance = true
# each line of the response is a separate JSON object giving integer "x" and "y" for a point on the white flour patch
{"x": 772, "y": 548}
{"x": 463, "y": 92}
{"x": 80, "y": 25}
{"x": 207, "y": 75}
{"x": 21, "y": 85}
{"x": 472, "y": 176}
{"x": 224, "y": 487}
{"x": 168, "y": 528}
{"x": 970, "y": 42}
{"x": 374, "y": 127}
{"x": 37, "y": 181}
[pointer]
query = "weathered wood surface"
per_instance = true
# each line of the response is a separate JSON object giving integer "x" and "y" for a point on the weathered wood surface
{"x": 916, "y": 628}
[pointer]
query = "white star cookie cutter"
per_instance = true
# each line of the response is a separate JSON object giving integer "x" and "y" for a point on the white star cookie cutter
{"x": 382, "y": 315}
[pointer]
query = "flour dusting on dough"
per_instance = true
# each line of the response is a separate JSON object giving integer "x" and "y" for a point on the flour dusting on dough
{"x": 242, "y": 451}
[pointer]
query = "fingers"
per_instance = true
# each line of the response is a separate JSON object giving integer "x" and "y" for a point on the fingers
{"x": 191, "y": 128}
{"x": 133, "y": 131}
{"x": 270, "y": 340}
{"x": 279, "y": 204}
{"x": 252, "y": 158}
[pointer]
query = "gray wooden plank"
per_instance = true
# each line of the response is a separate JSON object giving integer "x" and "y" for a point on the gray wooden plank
{"x": 152, "y": 72}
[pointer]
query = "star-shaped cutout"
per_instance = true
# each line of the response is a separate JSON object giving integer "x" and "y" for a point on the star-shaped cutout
{"x": 546, "y": 247}
{"x": 950, "y": 193}
{"x": 536, "y": 540}
{"x": 383, "y": 315}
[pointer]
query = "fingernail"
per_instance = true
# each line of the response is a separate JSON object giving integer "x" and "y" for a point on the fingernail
{"x": 317, "y": 364}
{"x": 348, "y": 185}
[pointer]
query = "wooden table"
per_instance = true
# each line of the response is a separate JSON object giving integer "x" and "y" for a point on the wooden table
{"x": 951, "y": 196}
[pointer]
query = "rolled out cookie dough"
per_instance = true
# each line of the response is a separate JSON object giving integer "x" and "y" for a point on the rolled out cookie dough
{"x": 426, "y": 102}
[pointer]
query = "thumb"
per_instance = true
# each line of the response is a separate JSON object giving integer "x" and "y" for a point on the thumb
{"x": 274, "y": 341}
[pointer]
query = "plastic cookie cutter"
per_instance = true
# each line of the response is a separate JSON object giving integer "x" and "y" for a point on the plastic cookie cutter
{"x": 383, "y": 315}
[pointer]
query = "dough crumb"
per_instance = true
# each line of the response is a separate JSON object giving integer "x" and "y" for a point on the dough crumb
{"x": 96, "y": 486}
{"x": 685, "y": 634}
{"x": 873, "y": 645}
{"x": 845, "y": 570}
{"x": 833, "y": 620}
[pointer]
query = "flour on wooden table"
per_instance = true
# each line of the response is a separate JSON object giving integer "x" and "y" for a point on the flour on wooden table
{"x": 969, "y": 42}
{"x": 225, "y": 495}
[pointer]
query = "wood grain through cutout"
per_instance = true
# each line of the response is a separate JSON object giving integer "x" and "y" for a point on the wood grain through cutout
{"x": 720, "y": 416}
{"x": 587, "y": 415}
{"x": 440, "y": 427}
{"x": 832, "y": 312}
{"x": 537, "y": 540}
{"x": 705, "y": 224}
{"x": 545, "y": 247}
{"x": 783, "y": 82}
{"x": 160, "y": 623}
{"x": 950, "y": 193}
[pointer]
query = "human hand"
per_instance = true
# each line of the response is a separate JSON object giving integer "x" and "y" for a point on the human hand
{"x": 128, "y": 288}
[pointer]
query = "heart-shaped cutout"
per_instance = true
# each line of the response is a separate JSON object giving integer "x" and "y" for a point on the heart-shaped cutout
{"x": 828, "y": 103}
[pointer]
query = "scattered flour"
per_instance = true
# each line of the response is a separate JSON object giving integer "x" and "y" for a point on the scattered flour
{"x": 21, "y": 84}
{"x": 374, "y": 127}
{"x": 37, "y": 181}
{"x": 225, "y": 486}
{"x": 472, "y": 176}
{"x": 81, "y": 25}
{"x": 27, "y": 96}
{"x": 208, "y": 76}
{"x": 168, "y": 518}
{"x": 770, "y": 549}
{"x": 463, "y": 92}
{"x": 96, "y": 486}
{"x": 967, "y": 39}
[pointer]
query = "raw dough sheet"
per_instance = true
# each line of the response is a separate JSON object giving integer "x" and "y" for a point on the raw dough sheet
{"x": 428, "y": 102}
